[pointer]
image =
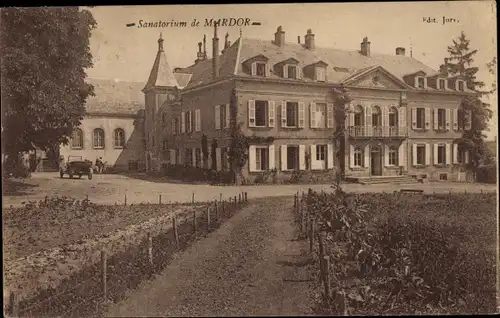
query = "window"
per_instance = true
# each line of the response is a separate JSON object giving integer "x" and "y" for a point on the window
{"x": 188, "y": 160}
{"x": 441, "y": 119}
{"x": 98, "y": 135}
{"x": 197, "y": 155}
{"x": 77, "y": 139}
{"x": 320, "y": 152}
{"x": 393, "y": 156}
{"x": 320, "y": 74}
{"x": 376, "y": 116}
{"x": 292, "y": 157}
{"x": 222, "y": 117}
{"x": 261, "y": 158}
{"x": 441, "y": 154}
{"x": 189, "y": 121}
{"x": 261, "y": 113}
{"x": 421, "y": 118}
{"x": 461, "y": 119}
{"x": 119, "y": 140}
{"x": 291, "y": 71}
{"x": 421, "y": 155}
{"x": 292, "y": 112}
{"x": 393, "y": 117}
{"x": 320, "y": 115}
{"x": 358, "y": 116}
{"x": 421, "y": 82}
{"x": 358, "y": 157}
{"x": 260, "y": 69}
{"x": 461, "y": 86}
{"x": 442, "y": 84}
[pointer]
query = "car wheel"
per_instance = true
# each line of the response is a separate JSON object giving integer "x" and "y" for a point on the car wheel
{"x": 71, "y": 173}
{"x": 90, "y": 174}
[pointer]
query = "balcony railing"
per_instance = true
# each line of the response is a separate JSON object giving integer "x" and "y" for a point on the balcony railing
{"x": 378, "y": 131}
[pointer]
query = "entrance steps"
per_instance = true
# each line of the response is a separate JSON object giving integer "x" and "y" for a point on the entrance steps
{"x": 398, "y": 179}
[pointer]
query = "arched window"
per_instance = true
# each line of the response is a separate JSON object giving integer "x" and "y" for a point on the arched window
{"x": 359, "y": 117}
{"x": 376, "y": 116}
{"x": 393, "y": 117}
{"x": 77, "y": 139}
{"x": 119, "y": 140}
{"x": 358, "y": 157}
{"x": 98, "y": 137}
{"x": 393, "y": 156}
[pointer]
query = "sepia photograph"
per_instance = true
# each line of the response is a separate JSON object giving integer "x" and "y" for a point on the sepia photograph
{"x": 292, "y": 159}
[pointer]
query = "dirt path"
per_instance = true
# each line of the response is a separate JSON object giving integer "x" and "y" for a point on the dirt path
{"x": 246, "y": 267}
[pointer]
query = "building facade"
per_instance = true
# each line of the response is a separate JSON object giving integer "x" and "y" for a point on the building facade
{"x": 112, "y": 127}
{"x": 404, "y": 117}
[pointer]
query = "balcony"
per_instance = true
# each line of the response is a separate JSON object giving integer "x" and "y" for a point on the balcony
{"x": 377, "y": 132}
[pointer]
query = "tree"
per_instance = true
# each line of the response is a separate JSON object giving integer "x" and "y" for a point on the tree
{"x": 341, "y": 102}
{"x": 460, "y": 61}
{"x": 45, "y": 52}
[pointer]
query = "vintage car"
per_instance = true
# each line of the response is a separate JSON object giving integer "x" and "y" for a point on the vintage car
{"x": 75, "y": 165}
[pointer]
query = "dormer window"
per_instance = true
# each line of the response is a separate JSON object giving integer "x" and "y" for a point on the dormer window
{"x": 442, "y": 84}
{"x": 290, "y": 71}
{"x": 461, "y": 85}
{"x": 320, "y": 74}
{"x": 260, "y": 69}
{"x": 420, "y": 81}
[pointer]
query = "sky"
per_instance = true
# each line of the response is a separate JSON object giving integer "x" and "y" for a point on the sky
{"x": 127, "y": 53}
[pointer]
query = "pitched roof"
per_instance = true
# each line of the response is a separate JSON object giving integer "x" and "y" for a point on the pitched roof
{"x": 161, "y": 73}
{"x": 115, "y": 97}
{"x": 353, "y": 61}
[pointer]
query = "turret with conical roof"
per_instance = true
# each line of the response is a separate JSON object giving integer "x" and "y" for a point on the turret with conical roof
{"x": 161, "y": 74}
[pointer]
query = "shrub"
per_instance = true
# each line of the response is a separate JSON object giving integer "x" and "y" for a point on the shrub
{"x": 487, "y": 173}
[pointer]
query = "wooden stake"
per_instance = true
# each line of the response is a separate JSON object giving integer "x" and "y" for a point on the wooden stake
{"x": 104, "y": 274}
{"x": 14, "y": 304}
{"x": 87, "y": 197}
{"x": 194, "y": 221}
{"x": 150, "y": 250}
{"x": 239, "y": 198}
{"x": 216, "y": 207}
{"x": 223, "y": 208}
{"x": 246, "y": 197}
{"x": 125, "y": 199}
{"x": 311, "y": 235}
{"x": 192, "y": 199}
{"x": 159, "y": 199}
{"x": 176, "y": 236}
{"x": 235, "y": 202}
{"x": 326, "y": 278}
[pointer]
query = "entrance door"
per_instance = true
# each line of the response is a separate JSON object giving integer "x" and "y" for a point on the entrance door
{"x": 376, "y": 161}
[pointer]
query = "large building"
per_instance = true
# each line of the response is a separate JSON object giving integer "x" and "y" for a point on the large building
{"x": 112, "y": 127}
{"x": 404, "y": 119}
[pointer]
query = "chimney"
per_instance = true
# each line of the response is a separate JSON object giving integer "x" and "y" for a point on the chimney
{"x": 309, "y": 39}
{"x": 400, "y": 51}
{"x": 226, "y": 43}
{"x": 365, "y": 47}
{"x": 298, "y": 39}
{"x": 443, "y": 68}
{"x": 199, "y": 56}
{"x": 215, "y": 54}
{"x": 279, "y": 37}
{"x": 204, "y": 46}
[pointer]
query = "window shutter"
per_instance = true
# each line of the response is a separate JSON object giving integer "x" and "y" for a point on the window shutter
{"x": 329, "y": 115}
{"x": 386, "y": 155}
{"x": 329, "y": 156}
{"x": 254, "y": 69}
{"x": 302, "y": 157}
{"x": 251, "y": 113}
{"x": 266, "y": 68}
{"x": 217, "y": 117}
{"x": 414, "y": 155}
{"x": 228, "y": 115}
{"x": 435, "y": 154}
{"x": 347, "y": 113}
{"x": 302, "y": 114}
{"x": 172, "y": 156}
{"x": 299, "y": 71}
{"x": 448, "y": 154}
{"x": 448, "y": 118}
{"x": 272, "y": 159}
{"x": 367, "y": 157}
{"x": 413, "y": 117}
{"x": 468, "y": 119}
{"x": 201, "y": 158}
{"x": 455, "y": 153}
{"x": 191, "y": 126}
{"x": 351, "y": 116}
{"x": 198, "y": 119}
{"x": 402, "y": 155}
{"x": 351, "y": 156}
{"x": 385, "y": 116}
{"x": 313, "y": 158}
{"x": 466, "y": 154}
{"x": 312, "y": 114}
{"x": 285, "y": 71}
{"x": 436, "y": 122}
{"x": 427, "y": 118}
{"x": 427, "y": 154}
{"x": 218, "y": 158}
{"x": 271, "y": 113}
{"x": 283, "y": 158}
{"x": 193, "y": 157}
{"x": 455, "y": 119}
{"x": 368, "y": 117}
{"x": 183, "y": 122}
{"x": 283, "y": 114}
{"x": 251, "y": 158}
{"x": 402, "y": 118}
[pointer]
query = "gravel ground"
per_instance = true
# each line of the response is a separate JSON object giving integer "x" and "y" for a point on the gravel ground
{"x": 250, "y": 266}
